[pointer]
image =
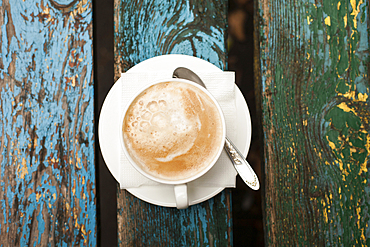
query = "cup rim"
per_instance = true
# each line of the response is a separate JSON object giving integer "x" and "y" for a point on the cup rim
{"x": 164, "y": 181}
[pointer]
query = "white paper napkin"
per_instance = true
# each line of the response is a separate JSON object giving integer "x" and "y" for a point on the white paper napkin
{"x": 222, "y": 87}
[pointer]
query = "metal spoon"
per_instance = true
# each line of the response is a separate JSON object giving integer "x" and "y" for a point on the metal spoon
{"x": 245, "y": 171}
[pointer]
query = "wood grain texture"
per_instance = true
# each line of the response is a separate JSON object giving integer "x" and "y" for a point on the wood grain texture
{"x": 47, "y": 174}
{"x": 314, "y": 90}
{"x": 144, "y": 224}
{"x": 144, "y": 29}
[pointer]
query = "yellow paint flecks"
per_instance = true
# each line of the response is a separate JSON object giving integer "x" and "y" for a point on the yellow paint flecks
{"x": 331, "y": 144}
{"x": 349, "y": 167}
{"x": 76, "y": 220}
{"x": 338, "y": 5}
{"x": 349, "y": 95}
{"x": 78, "y": 163}
{"x": 327, "y": 21}
{"x": 309, "y": 20}
{"x": 38, "y": 196}
{"x": 320, "y": 154}
{"x": 345, "y": 107}
{"x": 363, "y": 167}
{"x": 325, "y": 211}
{"x": 346, "y": 173}
{"x": 362, "y": 97}
{"x": 83, "y": 230}
{"x": 22, "y": 169}
{"x": 358, "y": 212}
{"x": 355, "y": 11}
{"x": 340, "y": 165}
{"x": 367, "y": 145}
{"x": 305, "y": 122}
{"x": 345, "y": 21}
{"x": 74, "y": 187}
{"x": 362, "y": 234}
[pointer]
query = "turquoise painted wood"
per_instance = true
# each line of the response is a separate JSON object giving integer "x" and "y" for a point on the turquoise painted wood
{"x": 148, "y": 28}
{"x": 47, "y": 174}
{"x": 144, "y": 29}
{"x": 314, "y": 69}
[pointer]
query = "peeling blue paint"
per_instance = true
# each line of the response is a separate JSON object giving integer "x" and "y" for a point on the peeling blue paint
{"x": 47, "y": 123}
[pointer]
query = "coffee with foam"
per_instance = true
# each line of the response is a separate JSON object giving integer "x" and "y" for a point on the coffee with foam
{"x": 173, "y": 130}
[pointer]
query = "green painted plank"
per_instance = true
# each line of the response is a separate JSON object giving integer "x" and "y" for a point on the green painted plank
{"x": 314, "y": 87}
{"x": 144, "y": 29}
{"x": 47, "y": 174}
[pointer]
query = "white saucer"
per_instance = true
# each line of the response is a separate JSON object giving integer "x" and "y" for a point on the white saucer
{"x": 163, "y": 195}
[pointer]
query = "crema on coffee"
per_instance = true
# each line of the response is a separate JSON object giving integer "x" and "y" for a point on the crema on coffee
{"x": 172, "y": 130}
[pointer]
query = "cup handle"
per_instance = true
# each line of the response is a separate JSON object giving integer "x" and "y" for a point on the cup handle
{"x": 181, "y": 195}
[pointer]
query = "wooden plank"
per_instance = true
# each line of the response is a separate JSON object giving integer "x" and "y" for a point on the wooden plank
{"x": 47, "y": 174}
{"x": 144, "y": 29}
{"x": 106, "y": 185}
{"x": 314, "y": 88}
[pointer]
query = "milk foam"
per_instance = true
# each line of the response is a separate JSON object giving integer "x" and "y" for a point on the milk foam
{"x": 171, "y": 130}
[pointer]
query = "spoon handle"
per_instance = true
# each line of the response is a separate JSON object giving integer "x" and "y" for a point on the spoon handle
{"x": 241, "y": 165}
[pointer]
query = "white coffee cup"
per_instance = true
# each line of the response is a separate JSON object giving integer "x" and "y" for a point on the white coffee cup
{"x": 129, "y": 118}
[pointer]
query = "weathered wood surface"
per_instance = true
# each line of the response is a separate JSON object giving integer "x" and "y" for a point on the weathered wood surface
{"x": 314, "y": 89}
{"x": 144, "y": 29}
{"x": 47, "y": 174}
